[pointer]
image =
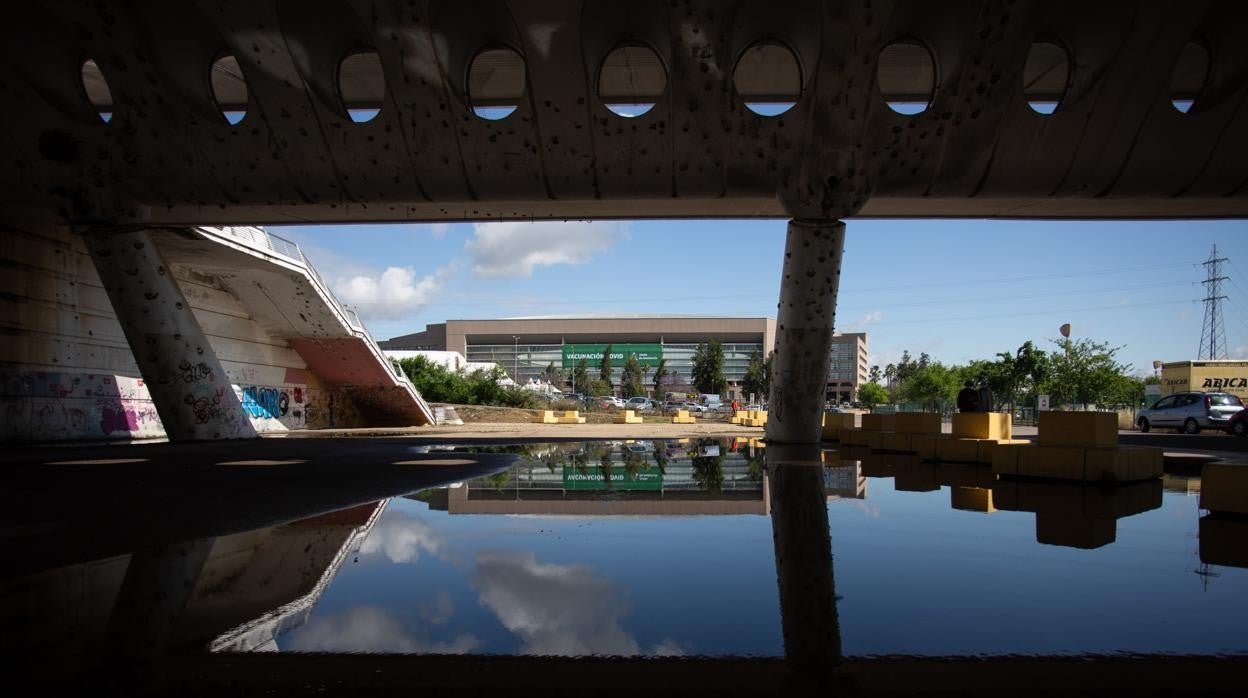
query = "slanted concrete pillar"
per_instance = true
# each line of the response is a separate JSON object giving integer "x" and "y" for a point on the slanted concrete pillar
{"x": 187, "y": 384}
{"x": 803, "y": 548}
{"x": 812, "y": 274}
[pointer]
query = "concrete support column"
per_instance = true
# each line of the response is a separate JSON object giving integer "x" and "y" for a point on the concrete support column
{"x": 188, "y": 386}
{"x": 808, "y": 286}
{"x": 803, "y": 548}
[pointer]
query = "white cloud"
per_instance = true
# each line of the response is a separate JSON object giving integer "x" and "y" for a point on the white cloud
{"x": 515, "y": 249}
{"x": 369, "y": 629}
{"x": 393, "y": 295}
{"x": 401, "y": 538}
{"x": 555, "y": 609}
{"x": 438, "y": 611}
{"x": 873, "y": 316}
{"x": 438, "y": 230}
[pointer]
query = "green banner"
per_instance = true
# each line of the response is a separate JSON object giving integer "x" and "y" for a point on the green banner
{"x": 647, "y": 354}
{"x": 594, "y": 479}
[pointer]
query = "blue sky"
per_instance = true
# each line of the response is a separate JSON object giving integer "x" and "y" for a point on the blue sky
{"x": 957, "y": 289}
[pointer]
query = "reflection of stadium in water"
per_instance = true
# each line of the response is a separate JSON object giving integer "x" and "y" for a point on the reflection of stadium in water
{"x": 636, "y": 478}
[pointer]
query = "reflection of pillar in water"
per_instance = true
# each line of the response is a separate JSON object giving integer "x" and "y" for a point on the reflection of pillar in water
{"x": 803, "y": 546}
{"x": 157, "y": 585}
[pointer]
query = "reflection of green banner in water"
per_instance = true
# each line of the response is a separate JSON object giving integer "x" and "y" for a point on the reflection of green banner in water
{"x": 621, "y": 479}
{"x": 647, "y": 354}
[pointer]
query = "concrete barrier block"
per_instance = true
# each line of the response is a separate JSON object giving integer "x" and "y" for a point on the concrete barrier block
{"x": 1005, "y": 459}
{"x": 957, "y": 450}
{"x": 548, "y": 417}
{"x": 965, "y": 475}
{"x": 1224, "y": 488}
{"x": 971, "y": 499}
{"x": 1074, "y": 532}
{"x": 1222, "y": 541}
{"x": 914, "y": 476}
{"x": 916, "y": 423}
{"x": 682, "y": 417}
{"x": 985, "y": 448}
{"x": 924, "y": 446}
{"x": 862, "y": 437}
{"x": 898, "y": 443}
{"x": 628, "y": 417}
{"x": 983, "y": 425}
{"x": 1144, "y": 462}
{"x": 1105, "y": 465}
{"x": 844, "y": 420}
{"x": 1081, "y": 429}
{"x": 1056, "y": 462}
{"x": 878, "y": 422}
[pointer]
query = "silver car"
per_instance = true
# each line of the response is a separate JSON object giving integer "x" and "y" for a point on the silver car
{"x": 1190, "y": 412}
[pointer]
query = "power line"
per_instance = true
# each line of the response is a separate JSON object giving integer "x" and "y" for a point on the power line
{"x": 996, "y": 316}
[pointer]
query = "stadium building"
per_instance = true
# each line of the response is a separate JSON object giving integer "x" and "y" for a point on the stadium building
{"x": 525, "y": 347}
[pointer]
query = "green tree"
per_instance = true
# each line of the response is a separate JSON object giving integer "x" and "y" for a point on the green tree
{"x": 931, "y": 386}
{"x": 580, "y": 377}
{"x": 631, "y": 381}
{"x": 552, "y": 375}
{"x": 660, "y": 372}
{"x": 872, "y": 394}
{"x": 1084, "y": 372}
{"x": 873, "y": 376}
{"x": 752, "y": 381}
{"x": 604, "y": 368}
{"x": 765, "y": 394}
{"x": 708, "y": 368}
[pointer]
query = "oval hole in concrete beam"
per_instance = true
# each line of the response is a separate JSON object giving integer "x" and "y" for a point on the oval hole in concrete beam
{"x": 96, "y": 88}
{"x": 907, "y": 77}
{"x": 1046, "y": 76}
{"x": 631, "y": 80}
{"x": 229, "y": 89}
{"x": 768, "y": 78}
{"x": 1191, "y": 72}
{"x": 496, "y": 83}
{"x": 361, "y": 85}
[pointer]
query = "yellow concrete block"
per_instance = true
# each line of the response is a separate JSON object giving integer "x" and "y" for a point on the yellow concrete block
{"x": 834, "y": 423}
{"x": 898, "y": 443}
{"x": 862, "y": 437}
{"x": 1056, "y": 462}
{"x": 1144, "y": 462}
{"x": 571, "y": 417}
{"x": 1224, "y": 488}
{"x": 1005, "y": 459}
{"x": 956, "y": 450}
{"x": 924, "y": 446}
{"x": 971, "y": 499}
{"x": 1083, "y": 429}
{"x": 1222, "y": 541}
{"x": 1075, "y": 532}
{"x": 548, "y": 417}
{"x": 985, "y": 448}
{"x": 628, "y": 417}
{"x": 965, "y": 475}
{"x": 1105, "y": 465}
{"x": 983, "y": 425}
{"x": 916, "y": 423}
{"x": 878, "y": 422}
{"x": 914, "y": 476}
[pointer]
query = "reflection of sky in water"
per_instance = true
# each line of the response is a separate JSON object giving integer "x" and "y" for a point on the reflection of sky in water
{"x": 914, "y": 576}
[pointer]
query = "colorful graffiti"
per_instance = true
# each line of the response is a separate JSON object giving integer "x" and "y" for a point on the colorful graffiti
{"x": 52, "y": 406}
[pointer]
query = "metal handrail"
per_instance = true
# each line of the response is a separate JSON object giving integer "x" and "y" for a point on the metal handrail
{"x": 257, "y": 237}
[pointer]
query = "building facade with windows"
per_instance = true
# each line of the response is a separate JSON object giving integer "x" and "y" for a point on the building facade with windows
{"x": 526, "y": 347}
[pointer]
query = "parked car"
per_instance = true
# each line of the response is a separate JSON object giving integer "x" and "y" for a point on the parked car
{"x": 1190, "y": 412}
{"x": 673, "y": 406}
{"x": 641, "y": 404}
{"x": 609, "y": 401}
{"x": 1238, "y": 424}
{"x": 693, "y": 407}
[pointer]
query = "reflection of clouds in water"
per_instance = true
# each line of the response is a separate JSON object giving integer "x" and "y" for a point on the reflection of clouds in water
{"x": 438, "y": 611}
{"x": 368, "y": 629}
{"x": 669, "y": 648}
{"x": 401, "y": 537}
{"x": 557, "y": 609}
